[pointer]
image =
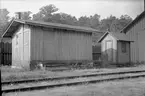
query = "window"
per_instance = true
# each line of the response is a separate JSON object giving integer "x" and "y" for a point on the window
{"x": 123, "y": 46}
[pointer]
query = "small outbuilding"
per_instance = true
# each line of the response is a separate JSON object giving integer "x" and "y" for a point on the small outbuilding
{"x": 115, "y": 48}
{"x": 34, "y": 41}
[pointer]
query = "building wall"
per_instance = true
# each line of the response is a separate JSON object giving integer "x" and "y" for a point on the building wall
{"x": 21, "y": 47}
{"x": 123, "y": 57}
{"x": 96, "y": 56}
{"x": 9, "y": 40}
{"x": 104, "y": 48}
{"x": 55, "y": 44}
{"x": 137, "y": 34}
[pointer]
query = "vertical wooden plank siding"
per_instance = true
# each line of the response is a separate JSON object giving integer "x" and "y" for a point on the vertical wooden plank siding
{"x": 16, "y": 59}
{"x": 36, "y": 43}
{"x": 5, "y": 53}
{"x": 123, "y": 57}
{"x": 57, "y": 44}
{"x": 114, "y": 49}
{"x": 137, "y": 34}
{"x": 26, "y": 45}
{"x": 21, "y": 47}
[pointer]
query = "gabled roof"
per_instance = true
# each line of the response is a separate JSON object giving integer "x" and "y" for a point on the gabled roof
{"x": 138, "y": 18}
{"x": 16, "y": 22}
{"x": 117, "y": 35}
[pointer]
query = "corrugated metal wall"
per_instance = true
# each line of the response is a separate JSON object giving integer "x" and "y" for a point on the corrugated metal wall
{"x": 137, "y": 34}
{"x": 57, "y": 44}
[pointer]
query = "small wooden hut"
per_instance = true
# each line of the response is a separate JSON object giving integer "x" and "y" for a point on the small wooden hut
{"x": 115, "y": 48}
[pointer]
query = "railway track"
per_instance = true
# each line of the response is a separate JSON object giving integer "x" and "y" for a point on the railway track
{"x": 37, "y": 84}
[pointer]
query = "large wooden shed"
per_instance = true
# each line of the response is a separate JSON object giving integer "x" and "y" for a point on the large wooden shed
{"x": 136, "y": 32}
{"x": 34, "y": 41}
{"x": 115, "y": 48}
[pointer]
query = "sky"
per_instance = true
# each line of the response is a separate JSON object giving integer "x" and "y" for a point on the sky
{"x": 78, "y": 8}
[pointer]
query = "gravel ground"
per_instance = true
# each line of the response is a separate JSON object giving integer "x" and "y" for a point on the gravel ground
{"x": 43, "y": 83}
{"x": 129, "y": 87}
{"x": 8, "y": 74}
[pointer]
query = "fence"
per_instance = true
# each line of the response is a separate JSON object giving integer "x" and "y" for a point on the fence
{"x": 5, "y": 53}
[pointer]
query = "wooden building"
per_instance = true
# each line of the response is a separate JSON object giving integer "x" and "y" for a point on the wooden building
{"x": 34, "y": 41}
{"x": 136, "y": 32}
{"x": 115, "y": 48}
{"x": 96, "y": 52}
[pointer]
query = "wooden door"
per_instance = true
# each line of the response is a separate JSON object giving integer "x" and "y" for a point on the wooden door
{"x": 109, "y": 50}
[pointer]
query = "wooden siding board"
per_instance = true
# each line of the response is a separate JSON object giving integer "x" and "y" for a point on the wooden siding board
{"x": 103, "y": 45}
{"x": 18, "y": 47}
{"x": 59, "y": 45}
{"x": 36, "y": 43}
{"x": 136, "y": 54}
{"x": 123, "y": 57}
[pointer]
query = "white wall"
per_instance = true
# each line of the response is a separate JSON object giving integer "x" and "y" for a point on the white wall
{"x": 114, "y": 46}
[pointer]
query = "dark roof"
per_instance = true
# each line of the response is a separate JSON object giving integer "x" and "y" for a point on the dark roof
{"x": 117, "y": 35}
{"x": 16, "y": 22}
{"x": 138, "y": 18}
{"x": 96, "y": 49}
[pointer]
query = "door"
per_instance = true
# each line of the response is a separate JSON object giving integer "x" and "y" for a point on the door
{"x": 109, "y": 50}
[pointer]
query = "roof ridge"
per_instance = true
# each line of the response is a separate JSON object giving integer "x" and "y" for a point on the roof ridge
{"x": 134, "y": 21}
{"x": 57, "y": 24}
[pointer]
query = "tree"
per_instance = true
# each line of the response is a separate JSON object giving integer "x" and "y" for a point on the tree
{"x": 3, "y": 19}
{"x": 105, "y": 24}
{"x": 120, "y": 23}
{"x": 95, "y": 21}
{"x": 84, "y": 21}
{"x": 111, "y": 23}
{"x": 45, "y": 13}
{"x": 125, "y": 20}
{"x": 67, "y": 19}
{"x": 38, "y": 17}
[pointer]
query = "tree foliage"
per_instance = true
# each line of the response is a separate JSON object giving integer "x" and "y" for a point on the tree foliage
{"x": 3, "y": 19}
{"x": 49, "y": 13}
{"x": 45, "y": 13}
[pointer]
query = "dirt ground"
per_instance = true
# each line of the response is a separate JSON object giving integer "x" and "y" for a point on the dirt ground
{"x": 129, "y": 87}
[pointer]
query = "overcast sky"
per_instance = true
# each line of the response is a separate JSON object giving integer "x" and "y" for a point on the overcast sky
{"x": 79, "y": 8}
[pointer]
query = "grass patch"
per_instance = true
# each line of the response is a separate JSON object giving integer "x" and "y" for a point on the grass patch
{"x": 11, "y": 74}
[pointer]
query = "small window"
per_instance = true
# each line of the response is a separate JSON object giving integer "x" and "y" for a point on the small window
{"x": 123, "y": 46}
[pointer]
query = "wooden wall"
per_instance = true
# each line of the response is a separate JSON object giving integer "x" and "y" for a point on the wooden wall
{"x": 104, "y": 48}
{"x": 57, "y": 44}
{"x": 123, "y": 57}
{"x": 137, "y": 34}
{"x": 21, "y": 47}
{"x": 5, "y": 53}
